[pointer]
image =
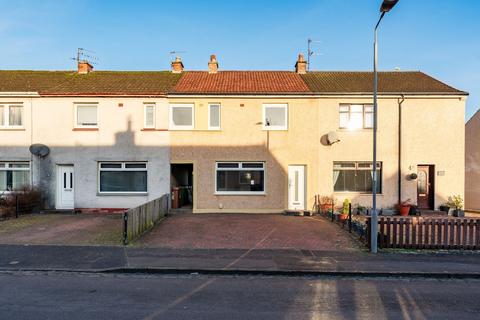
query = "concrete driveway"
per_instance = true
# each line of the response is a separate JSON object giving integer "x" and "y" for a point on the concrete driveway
{"x": 63, "y": 229}
{"x": 248, "y": 231}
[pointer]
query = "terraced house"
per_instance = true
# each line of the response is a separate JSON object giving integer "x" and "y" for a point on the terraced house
{"x": 229, "y": 141}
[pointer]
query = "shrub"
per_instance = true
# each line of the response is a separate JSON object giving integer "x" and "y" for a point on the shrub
{"x": 25, "y": 200}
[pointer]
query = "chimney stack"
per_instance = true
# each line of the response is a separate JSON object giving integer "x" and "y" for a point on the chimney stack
{"x": 301, "y": 65}
{"x": 84, "y": 67}
{"x": 177, "y": 65}
{"x": 213, "y": 64}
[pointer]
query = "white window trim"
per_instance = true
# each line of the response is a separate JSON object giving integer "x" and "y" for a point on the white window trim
{"x": 242, "y": 193}
{"x": 6, "y": 168}
{"x": 349, "y": 115}
{"x": 76, "y": 105}
{"x": 6, "y": 116}
{"x": 99, "y": 169}
{"x": 219, "y": 127}
{"x": 145, "y": 115}
{"x": 181, "y": 105}
{"x": 275, "y": 105}
{"x": 357, "y": 162}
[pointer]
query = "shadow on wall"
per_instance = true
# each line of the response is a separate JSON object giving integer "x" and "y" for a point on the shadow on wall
{"x": 85, "y": 159}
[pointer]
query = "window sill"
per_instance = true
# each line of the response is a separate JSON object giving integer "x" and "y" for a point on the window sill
{"x": 12, "y": 129}
{"x": 153, "y": 129}
{"x": 181, "y": 129}
{"x": 355, "y": 130}
{"x": 240, "y": 193}
{"x": 85, "y": 129}
{"x": 275, "y": 129}
{"x": 140, "y": 194}
{"x": 356, "y": 193}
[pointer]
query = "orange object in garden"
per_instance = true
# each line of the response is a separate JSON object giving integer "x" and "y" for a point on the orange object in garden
{"x": 175, "y": 198}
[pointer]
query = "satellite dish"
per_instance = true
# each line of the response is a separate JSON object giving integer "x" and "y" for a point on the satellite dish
{"x": 332, "y": 137}
{"x": 39, "y": 150}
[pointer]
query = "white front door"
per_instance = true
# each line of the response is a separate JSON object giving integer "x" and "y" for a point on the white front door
{"x": 65, "y": 189}
{"x": 296, "y": 187}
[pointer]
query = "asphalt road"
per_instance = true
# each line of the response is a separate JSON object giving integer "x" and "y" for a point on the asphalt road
{"x": 33, "y": 295}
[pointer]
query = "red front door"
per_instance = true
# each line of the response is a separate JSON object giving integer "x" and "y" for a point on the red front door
{"x": 425, "y": 187}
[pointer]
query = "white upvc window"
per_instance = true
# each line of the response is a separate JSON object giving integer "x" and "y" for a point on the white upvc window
{"x": 86, "y": 115}
{"x": 275, "y": 116}
{"x": 355, "y": 116}
{"x": 14, "y": 175}
{"x": 214, "y": 116}
{"x": 182, "y": 116}
{"x": 11, "y": 115}
{"x": 122, "y": 177}
{"x": 240, "y": 178}
{"x": 149, "y": 115}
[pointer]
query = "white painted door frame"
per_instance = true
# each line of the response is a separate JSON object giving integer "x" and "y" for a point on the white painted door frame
{"x": 65, "y": 194}
{"x": 296, "y": 187}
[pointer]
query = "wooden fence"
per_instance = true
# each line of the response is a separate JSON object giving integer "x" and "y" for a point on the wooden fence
{"x": 138, "y": 220}
{"x": 427, "y": 233}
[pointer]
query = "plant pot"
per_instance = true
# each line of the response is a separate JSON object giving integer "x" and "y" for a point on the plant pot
{"x": 458, "y": 213}
{"x": 342, "y": 217}
{"x": 325, "y": 207}
{"x": 404, "y": 210}
{"x": 444, "y": 208}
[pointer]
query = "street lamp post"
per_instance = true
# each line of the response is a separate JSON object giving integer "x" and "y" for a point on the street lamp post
{"x": 387, "y": 5}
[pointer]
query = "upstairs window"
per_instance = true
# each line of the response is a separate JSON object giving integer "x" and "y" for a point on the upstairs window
{"x": 214, "y": 116}
{"x": 149, "y": 115}
{"x": 86, "y": 115}
{"x": 181, "y": 116}
{"x": 356, "y": 177}
{"x": 356, "y": 116}
{"x": 14, "y": 175}
{"x": 275, "y": 116}
{"x": 11, "y": 115}
{"x": 122, "y": 177}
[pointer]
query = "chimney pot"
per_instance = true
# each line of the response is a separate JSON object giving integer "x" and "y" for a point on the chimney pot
{"x": 301, "y": 65}
{"x": 84, "y": 67}
{"x": 177, "y": 65}
{"x": 213, "y": 64}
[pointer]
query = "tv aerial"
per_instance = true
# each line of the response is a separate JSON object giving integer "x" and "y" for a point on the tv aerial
{"x": 84, "y": 55}
{"x": 310, "y": 52}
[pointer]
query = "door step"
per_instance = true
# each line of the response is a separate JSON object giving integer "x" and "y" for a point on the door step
{"x": 298, "y": 213}
{"x": 58, "y": 211}
{"x": 181, "y": 211}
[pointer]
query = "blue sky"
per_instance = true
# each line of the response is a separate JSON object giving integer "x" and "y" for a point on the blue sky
{"x": 439, "y": 37}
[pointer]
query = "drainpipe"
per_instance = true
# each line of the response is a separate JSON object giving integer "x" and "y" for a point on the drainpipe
{"x": 400, "y": 101}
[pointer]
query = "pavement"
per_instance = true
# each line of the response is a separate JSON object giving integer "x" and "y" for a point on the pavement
{"x": 237, "y": 261}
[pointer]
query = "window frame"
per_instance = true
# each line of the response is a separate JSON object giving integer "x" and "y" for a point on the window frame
{"x": 357, "y": 168}
{"x": 6, "y": 116}
{"x": 6, "y": 167}
{"x": 274, "y": 105}
{"x": 145, "y": 106}
{"x": 172, "y": 106}
{"x": 364, "y": 113}
{"x": 240, "y": 168}
{"x": 85, "y": 104}
{"x": 121, "y": 169}
{"x": 219, "y": 127}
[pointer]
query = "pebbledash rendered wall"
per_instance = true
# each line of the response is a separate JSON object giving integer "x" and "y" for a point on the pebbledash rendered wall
{"x": 432, "y": 133}
{"x": 120, "y": 137}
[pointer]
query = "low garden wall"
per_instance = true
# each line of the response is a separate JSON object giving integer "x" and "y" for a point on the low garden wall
{"x": 138, "y": 220}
